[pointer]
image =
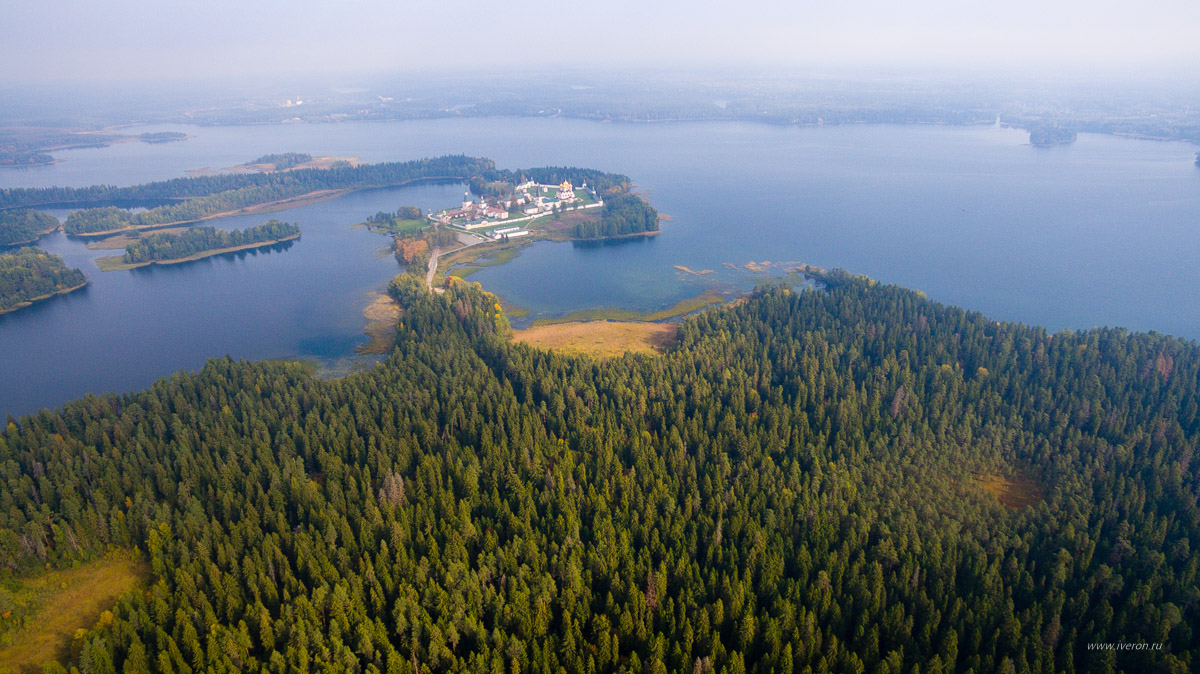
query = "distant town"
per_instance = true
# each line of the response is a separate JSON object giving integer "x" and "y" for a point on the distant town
{"x": 497, "y": 218}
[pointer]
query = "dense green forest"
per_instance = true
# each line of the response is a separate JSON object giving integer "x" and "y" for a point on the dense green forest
{"x": 621, "y": 214}
{"x": 24, "y": 226}
{"x": 29, "y": 274}
{"x": 789, "y": 489}
{"x": 196, "y": 240}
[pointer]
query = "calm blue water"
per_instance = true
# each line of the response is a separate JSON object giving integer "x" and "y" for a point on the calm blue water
{"x": 1102, "y": 232}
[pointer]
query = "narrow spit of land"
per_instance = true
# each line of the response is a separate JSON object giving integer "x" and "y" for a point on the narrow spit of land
{"x": 257, "y": 209}
{"x": 117, "y": 263}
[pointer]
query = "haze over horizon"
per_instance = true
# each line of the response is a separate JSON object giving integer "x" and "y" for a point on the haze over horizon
{"x": 70, "y": 41}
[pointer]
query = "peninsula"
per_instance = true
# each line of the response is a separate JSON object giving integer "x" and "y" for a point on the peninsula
{"x": 103, "y": 209}
{"x": 29, "y": 275}
{"x": 22, "y": 226}
{"x": 505, "y": 209}
{"x": 197, "y": 243}
{"x": 187, "y": 200}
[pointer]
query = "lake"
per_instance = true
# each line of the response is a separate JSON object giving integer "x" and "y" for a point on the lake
{"x": 1100, "y": 232}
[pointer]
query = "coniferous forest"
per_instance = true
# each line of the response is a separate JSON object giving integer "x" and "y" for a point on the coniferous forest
{"x": 30, "y": 274}
{"x": 791, "y": 488}
{"x": 622, "y": 214}
{"x": 195, "y": 240}
{"x": 21, "y": 226}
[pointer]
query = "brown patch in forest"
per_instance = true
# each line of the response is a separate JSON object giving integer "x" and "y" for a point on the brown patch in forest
{"x": 383, "y": 315}
{"x": 1015, "y": 493}
{"x": 601, "y": 339}
{"x": 61, "y": 602}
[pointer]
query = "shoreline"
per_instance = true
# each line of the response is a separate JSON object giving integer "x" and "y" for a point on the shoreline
{"x": 314, "y": 197}
{"x": 34, "y": 300}
{"x": 382, "y": 316}
{"x": 105, "y": 265}
{"x": 267, "y": 207}
{"x": 30, "y": 242}
{"x": 683, "y": 307}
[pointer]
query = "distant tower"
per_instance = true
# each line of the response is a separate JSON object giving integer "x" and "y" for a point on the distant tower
{"x": 466, "y": 200}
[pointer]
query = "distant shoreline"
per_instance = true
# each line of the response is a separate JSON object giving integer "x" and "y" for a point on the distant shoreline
{"x": 314, "y": 197}
{"x": 258, "y": 209}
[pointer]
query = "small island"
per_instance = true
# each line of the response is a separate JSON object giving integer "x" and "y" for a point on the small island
{"x": 21, "y": 226}
{"x": 1050, "y": 135}
{"x": 162, "y": 137}
{"x": 25, "y": 159}
{"x": 30, "y": 275}
{"x": 280, "y": 162}
{"x": 197, "y": 243}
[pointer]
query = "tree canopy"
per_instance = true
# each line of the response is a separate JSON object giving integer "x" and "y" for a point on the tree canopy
{"x": 29, "y": 274}
{"x": 791, "y": 488}
{"x": 195, "y": 240}
{"x": 24, "y": 226}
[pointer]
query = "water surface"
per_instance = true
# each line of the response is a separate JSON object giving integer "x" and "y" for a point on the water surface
{"x": 1102, "y": 232}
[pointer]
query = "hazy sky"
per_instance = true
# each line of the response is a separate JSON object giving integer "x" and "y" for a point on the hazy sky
{"x": 66, "y": 40}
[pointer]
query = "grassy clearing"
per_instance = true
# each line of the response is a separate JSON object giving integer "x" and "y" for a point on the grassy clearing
{"x": 601, "y": 339}
{"x": 47, "y": 609}
{"x": 490, "y": 258}
{"x": 479, "y": 255}
{"x": 680, "y": 308}
{"x": 1015, "y": 493}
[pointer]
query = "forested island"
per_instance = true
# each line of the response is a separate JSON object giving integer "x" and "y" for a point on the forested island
{"x": 282, "y": 162}
{"x": 22, "y": 159}
{"x": 195, "y": 243}
{"x": 622, "y": 215}
{"x": 162, "y": 136}
{"x": 21, "y": 226}
{"x": 28, "y": 275}
{"x": 1050, "y": 135}
{"x": 798, "y": 484}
